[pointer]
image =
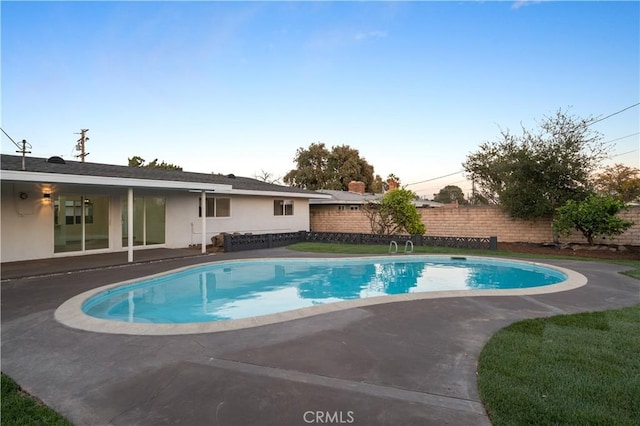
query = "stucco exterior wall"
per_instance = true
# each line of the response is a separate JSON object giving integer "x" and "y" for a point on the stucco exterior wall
{"x": 27, "y": 225}
{"x": 248, "y": 215}
{"x": 475, "y": 221}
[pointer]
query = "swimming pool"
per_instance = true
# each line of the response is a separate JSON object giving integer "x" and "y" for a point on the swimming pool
{"x": 238, "y": 294}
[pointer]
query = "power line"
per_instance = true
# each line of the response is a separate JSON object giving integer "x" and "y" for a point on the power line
{"x": 623, "y": 153}
{"x": 22, "y": 149}
{"x": 624, "y": 137}
{"x": 611, "y": 115}
{"x": 593, "y": 122}
{"x": 435, "y": 178}
{"x": 11, "y": 139}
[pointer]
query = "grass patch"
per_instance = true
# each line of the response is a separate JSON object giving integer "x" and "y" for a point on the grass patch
{"x": 633, "y": 264}
{"x": 20, "y": 408}
{"x": 382, "y": 249}
{"x": 568, "y": 369}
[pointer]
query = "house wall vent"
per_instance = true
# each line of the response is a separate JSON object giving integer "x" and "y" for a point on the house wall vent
{"x": 56, "y": 160}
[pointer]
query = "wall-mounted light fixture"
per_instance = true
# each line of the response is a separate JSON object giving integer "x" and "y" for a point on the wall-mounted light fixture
{"x": 46, "y": 195}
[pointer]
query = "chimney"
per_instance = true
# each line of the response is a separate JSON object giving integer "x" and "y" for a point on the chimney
{"x": 392, "y": 184}
{"x": 356, "y": 186}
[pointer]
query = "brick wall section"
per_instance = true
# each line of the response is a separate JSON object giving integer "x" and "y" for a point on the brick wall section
{"x": 475, "y": 221}
{"x": 330, "y": 219}
{"x": 481, "y": 221}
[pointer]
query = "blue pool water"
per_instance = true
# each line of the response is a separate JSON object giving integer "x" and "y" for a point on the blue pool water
{"x": 244, "y": 289}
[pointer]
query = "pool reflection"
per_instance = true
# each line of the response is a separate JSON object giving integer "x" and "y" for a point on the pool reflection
{"x": 245, "y": 289}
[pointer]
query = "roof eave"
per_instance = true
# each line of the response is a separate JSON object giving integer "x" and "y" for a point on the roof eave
{"x": 280, "y": 194}
{"x": 41, "y": 177}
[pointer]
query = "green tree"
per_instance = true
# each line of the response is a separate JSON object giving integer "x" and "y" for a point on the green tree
{"x": 137, "y": 161}
{"x": 395, "y": 213}
{"x": 319, "y": 168}
{"x": 377, "y": 186}
{"x": 450, "y": 194}
{"x": 531, "y": 175}
{"x": 594, "y": 217}
{"x": 619, "y": 181}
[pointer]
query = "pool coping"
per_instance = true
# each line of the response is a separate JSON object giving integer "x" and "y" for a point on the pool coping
{"x": 70, "y": 312}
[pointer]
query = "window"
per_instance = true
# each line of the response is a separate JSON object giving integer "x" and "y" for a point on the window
{"x": 351, "y": 207}
{"x": 223, "y": 207}
{"x": 73, "y": 212}
{"x": 283, "y": 207}
{"x": 81, "y": 222}
{"x": 216, "y": 207}
{"x": 88, "y": 211}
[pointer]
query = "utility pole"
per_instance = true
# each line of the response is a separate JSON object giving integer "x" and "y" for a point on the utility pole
{"x": 24, "y": 151}
{"x": 81, "y": 144}
{"x": 473, "y": 191}
{"x": 23, "y": 148}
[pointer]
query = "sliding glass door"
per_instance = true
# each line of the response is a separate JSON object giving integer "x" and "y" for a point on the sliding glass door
{"x": 148, "y": 221}
{"x": 81, "y": 222}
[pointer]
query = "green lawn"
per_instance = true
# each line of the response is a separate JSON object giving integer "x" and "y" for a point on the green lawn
{"x": 634, "y": 264}
{"x": 21, "y": 409}
{"x": 383, "y": 249}
{"x": 581, "y": 369}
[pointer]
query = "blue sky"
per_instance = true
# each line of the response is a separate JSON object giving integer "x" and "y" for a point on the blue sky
{"x": 238, "y": 87}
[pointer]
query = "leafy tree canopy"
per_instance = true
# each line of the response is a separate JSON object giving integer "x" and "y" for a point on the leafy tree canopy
{"x": 395, "y": 213}
{"x": 594, "y": 217}
{"x": 450, "y": 194}
{"x": 619, "y": 181}
{"x": 532, "y": 174}
{"x": 321, "y": 168}
{"x": 137, "y": 161}
{"x": 377, "y": 186}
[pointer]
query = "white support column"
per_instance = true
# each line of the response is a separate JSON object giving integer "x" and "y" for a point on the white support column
{"x": 130, "y": 225}
{"x": 203, "y": 203}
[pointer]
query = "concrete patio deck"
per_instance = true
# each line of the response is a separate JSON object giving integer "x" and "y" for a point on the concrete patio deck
{"x": 398, "y": 363}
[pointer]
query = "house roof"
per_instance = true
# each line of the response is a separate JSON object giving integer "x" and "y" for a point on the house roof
{"x": 354, "y": 198}
{"x": 345, "y": 197}
{"x": 39, "y": 169}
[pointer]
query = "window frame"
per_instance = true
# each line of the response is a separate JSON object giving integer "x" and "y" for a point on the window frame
{"x": 213, "y": 203}
{"x": 283, "y": 207}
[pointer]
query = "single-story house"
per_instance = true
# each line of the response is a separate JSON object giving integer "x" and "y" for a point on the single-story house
{"x": 344, "y": 211}
{"x": 54, "y": 207}
{"x": 355, "y": 198}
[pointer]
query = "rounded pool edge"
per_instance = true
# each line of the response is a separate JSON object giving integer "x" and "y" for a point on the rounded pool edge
{"x": 70, "y": 313}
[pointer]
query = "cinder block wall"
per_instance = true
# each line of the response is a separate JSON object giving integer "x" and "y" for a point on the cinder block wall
{"x": 473, "y": 221}
{"x": 330, "y": 219}
{"x": 482, "y": 221}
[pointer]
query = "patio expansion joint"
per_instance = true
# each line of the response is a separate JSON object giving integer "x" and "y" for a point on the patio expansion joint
{"x": 155, "y": 393}
{"x": 98, "y": 268}
{"x": 380, "y": 391}
{"x": 553, "y": 309}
